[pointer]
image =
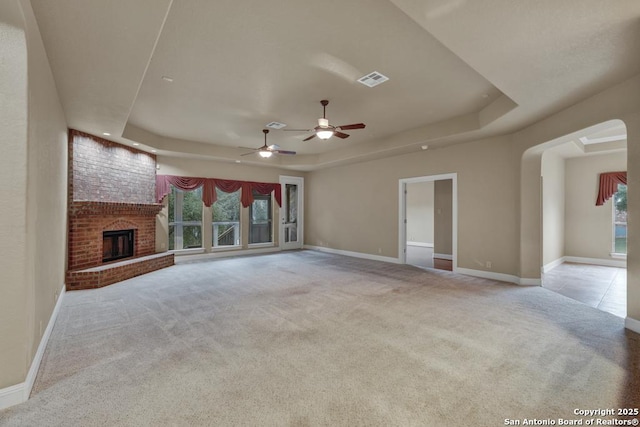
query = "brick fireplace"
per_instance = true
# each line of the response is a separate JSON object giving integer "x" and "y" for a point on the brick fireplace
{"x": 111, "y": 189}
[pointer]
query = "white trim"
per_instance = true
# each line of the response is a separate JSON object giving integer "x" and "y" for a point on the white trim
{"x": 229, "y": 253}
{"x": 402, "y": 214}
{"x": 261, "y": 245}
{"x": 499, "y": 276}
{"x": 443, "y": 256}
{"x": 553, "y": 264}
{"x": 20, "y": 393}
{"x": 353, "y": 254}
{"x": 615, "y": 255}
{"x": 632, "y": 324}
{"x": 13, "y": 395}
{"x": 420, "y": 244}
{"x": 597, "y": 261}
{"x": 299, "y": 181}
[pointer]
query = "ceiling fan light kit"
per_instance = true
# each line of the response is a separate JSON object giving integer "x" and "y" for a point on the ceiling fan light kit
{"x": 324, "y": 130}
{"x": 267, "y": 151}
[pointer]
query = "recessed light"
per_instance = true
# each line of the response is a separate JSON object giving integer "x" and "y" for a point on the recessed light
{"x": 167, "y": 79}
{"x": 238, "y": 161}
{"x": 485, "y": 95}
{"x": 154, "y": 151}
{"x": 135, "y": 144}
{"x": 424, "y": 147}
{"x": 106, "y": 133}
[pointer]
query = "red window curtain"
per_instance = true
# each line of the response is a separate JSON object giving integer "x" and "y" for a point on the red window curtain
{"x": 164, "y": 183}
{"x": 609, "y": 185}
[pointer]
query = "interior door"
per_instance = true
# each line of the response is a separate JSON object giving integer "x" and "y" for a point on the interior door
{"x": 291, "y": 213}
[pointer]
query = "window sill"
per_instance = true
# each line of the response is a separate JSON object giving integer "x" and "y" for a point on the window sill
{"x": 261, "y": 245}
{"x": 226, "y": 248}
{"x": 187, "y": 251}
{"x": 618, "y": 256}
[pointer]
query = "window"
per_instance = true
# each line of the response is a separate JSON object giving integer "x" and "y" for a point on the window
{"x": 185, "y": 219}
{"x": 226, "y": 219}
{"x": 620, "y": 220}
{"x": 260, "y": 217}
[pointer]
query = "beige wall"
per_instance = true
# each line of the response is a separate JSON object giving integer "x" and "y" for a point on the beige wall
{"x": 33, "y": 230}
{"x": 553, "y": 206}
{"x": 588, "y": 227}
{"x": 617, "y": 102}
{"x": 420, "y": 211}
{"x": 443, "y": 224}
{"x": 355, "y": 207}
{"x": 223, "y": 170}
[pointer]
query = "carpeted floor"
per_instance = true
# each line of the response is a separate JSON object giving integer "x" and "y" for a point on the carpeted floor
{"x": 306, "y": 338}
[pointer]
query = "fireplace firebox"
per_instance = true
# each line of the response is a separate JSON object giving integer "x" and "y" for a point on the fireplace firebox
{"x": 117, "y": 245}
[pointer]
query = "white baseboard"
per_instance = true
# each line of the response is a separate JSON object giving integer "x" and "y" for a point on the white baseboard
{"x": 499, "y": 276}
{"x": 20, "y": 393}
{"x": 420, "y": 244}
{"x": 553, "y": 264}
{"x": 13, "y": 395}
{"x": 632, "y": 324}
{"x": 443, "y": 256}
{"x": 229, "y": 253}
{"x": 353, "y": 254}
{"x": 597, "y": 261}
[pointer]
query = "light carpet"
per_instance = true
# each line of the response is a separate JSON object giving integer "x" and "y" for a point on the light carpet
{"x": 312, "y": 339}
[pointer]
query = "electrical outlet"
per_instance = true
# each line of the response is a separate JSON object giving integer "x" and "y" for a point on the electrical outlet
{"x": 162, "y": 245}
{"x": 379, "y": 250}
{"x": 488, "y": 264}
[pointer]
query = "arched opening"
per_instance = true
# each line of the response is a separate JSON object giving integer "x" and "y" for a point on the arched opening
{"x": 581, "y": 246}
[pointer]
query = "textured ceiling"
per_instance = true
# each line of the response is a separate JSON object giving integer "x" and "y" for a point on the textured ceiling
{"x": 458, "y": 69}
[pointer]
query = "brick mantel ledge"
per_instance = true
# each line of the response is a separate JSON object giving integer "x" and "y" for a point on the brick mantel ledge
{"x": 81, "y": 208}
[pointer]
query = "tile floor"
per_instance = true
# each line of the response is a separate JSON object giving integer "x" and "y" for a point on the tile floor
{"x": 601, "y": 287}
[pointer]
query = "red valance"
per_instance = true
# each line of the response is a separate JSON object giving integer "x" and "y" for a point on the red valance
{"x": 609, "y": 185}
{"x": 164, "y": 183}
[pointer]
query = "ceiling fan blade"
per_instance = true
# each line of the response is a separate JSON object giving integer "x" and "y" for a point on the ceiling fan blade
{"x": 352, "y": 126}
{"x": 249, "y": 148}
{"x": 246, "y": 154}
{"x": 340, "y": 135}
{"x": 298, "y": 130}
{"x": 287, "y": 152}
{"x": 311, "y": 137}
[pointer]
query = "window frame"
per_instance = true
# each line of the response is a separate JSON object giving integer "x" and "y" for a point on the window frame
{"x": 179, "y": 224}
{"x": 614, "y": 223}
{"x": 269, "y": 199}
{"x": 237, "y": 235}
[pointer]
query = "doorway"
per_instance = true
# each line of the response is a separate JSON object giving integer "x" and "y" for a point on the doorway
{"x": 428, "y": 221}
{"x": 292, "y": 213}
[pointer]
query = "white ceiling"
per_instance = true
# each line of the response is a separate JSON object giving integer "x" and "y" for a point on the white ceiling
{"x": 458, "y": 69}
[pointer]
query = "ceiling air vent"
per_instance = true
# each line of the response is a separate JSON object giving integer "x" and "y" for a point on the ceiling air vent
{"x": 275, "y": 125}
{"x": 373, "y": 79}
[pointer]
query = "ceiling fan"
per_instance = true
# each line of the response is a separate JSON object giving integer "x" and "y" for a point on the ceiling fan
{"x": 324, "y": 130}
{"x": 267, "y": 151}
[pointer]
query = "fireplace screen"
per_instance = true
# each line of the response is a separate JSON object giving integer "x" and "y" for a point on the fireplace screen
{"x": 117, "y": 245}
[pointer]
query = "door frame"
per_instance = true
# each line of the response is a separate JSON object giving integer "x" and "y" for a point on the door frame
{"x": 402, "y": 214}
{"x": 299, "y": 181}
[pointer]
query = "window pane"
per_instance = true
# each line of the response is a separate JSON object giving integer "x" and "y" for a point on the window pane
{"x": 172, "y": 204}
{"x": 192, "y": 205}
{"x": 260, "y": 230}
{"x": 172, "y": 237}
{"x": 226, "y": 219}
{"x": 620, "y": 220}
{"x": 185, "y": 219}
{"x": 192, "y": 236}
